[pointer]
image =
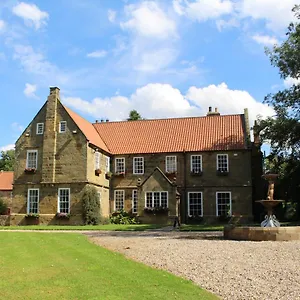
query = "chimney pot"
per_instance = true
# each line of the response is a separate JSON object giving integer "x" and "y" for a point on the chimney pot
{"x": 97, "y": 121}
{"x": 210, "y": 109}
{"x": 216, "y": 109}
{"x": 102, "y": 120}
{"x": 107, "y": 120}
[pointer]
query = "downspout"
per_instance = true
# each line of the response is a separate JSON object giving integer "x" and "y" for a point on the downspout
{"x": 183, "y": 216}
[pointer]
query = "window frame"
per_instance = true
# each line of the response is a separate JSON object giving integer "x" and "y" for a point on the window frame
{"x": 28, "y": 200}
{"x": 195, "y": 192}
{"x": 134, "y": 199}
{"x": 60, "y": 123}
{"x": 160, "y": 192}
{"x": 195, "y": 155}
{"x": 134, "y": 166}
{"x": 107, "y": 164}
{"x": 230, "y": 201}
{"x": 58, "y": 200}
{"x": 123, "y": 200}
{"x": 97, "y": 160}
{"x": 37, "y": 128}
{"x": 119, "y": 158}
{"x": 36, "y": 159}
{"x": 166, "y": 160}
{"x": 227, "y": 160}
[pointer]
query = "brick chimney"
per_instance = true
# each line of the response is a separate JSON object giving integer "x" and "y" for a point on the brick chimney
{"x": 50, "y": 136}
{"x": 213, "y": 113}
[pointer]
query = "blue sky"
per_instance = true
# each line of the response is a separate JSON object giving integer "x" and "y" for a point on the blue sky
{"x": 163, "y": 58}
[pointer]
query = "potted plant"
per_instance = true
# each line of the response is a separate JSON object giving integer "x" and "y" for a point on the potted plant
{"x": 108, "y": 175}
{"x": 195, "y": 172}
{"x": 60, "y": 215}
{"x": 156, "y": 210}
{"x": 97, "y": 172}
{"x": 30, "y": 170}
{"x": 33, "y": 218}
{"x": 222, "y": 172}
{"x": 120, "y": 174}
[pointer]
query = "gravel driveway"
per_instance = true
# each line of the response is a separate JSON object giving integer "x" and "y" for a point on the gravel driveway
{"x": 230, "y": 269}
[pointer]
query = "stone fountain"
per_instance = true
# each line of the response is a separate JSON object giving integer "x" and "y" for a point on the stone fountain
{"x": 270, "y": 219}
{"x": 270, "y": 229}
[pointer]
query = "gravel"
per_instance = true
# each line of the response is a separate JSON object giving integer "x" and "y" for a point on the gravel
{"x": 230, "y": 269}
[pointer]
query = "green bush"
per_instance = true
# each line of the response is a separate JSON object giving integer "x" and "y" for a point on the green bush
{"x": 122, "y": 217}
{"x": 3, "y": 207}
{"x": 91, "y": 206}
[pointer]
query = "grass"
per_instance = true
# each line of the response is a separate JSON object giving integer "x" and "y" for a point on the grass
{"x": 201, "y": 227}
{"x": 113, "y": 227}
{"x": 38, "y": 265}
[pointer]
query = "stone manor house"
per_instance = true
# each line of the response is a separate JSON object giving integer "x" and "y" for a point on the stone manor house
{"x": 195, "y": 167}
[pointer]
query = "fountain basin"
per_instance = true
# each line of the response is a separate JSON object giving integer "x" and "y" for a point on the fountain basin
{"x": 243, "y": 233}
{"x": 269, "y": 203}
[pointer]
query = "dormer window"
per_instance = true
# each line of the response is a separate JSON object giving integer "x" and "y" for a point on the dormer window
{"x": 62, "y": 126}
{"x": 40, "y": 128}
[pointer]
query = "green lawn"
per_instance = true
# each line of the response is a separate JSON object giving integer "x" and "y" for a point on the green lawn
{"x": 114, "y": 227}
{"x": 67, "y": 266}
{"x": 201, "y": 227}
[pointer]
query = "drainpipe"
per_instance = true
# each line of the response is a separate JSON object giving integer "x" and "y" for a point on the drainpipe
{"x": 183, "y": 216}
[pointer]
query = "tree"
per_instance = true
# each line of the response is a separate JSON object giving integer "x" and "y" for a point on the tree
{"x": 134, "y": 116}
{"x": 7, "y": 160}
{"x": 283, "y": 129}
{"x": 91, "y": 206}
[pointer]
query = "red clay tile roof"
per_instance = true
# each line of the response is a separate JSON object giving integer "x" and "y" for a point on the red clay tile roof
{"x": 88, "y": 130}
{"x": 6, "y": 181}
{"x": 174, "y": 135}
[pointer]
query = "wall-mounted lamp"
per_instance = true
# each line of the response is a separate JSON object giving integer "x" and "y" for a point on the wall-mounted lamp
{"x": 74, "y": 131}
{"x": 27, "y": 134}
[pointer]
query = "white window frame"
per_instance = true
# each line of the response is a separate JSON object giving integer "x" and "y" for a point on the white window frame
{"x": 230, "y": 202}
{"x": 40, "y": 128}
{"x": 28, "y": 201}
{"x": 123, "y": 161}
{"x": 168, "y": 170}
{"x": 123, "y": 200}
{"x": 58, "y": 199}
{"x": 195, "y": 192}
{"x": 196, "y": 155}
{"x": 107, "y": 164}
{"x": 36, "y": 159}
{"x": 136, "y": 160}
{"x": 152, "y": 192}
{"x": 227, "y": 159}
{"x": 97, "y": 157}
{"x": 134, "y": 201}
{"x": 60, "y": 126}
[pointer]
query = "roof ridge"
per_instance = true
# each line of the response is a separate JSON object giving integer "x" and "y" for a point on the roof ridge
{"x": 173, "y": 118}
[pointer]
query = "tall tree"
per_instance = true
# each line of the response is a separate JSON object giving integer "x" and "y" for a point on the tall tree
{"x": 7, "y": 160}
{"x": 134, "y": 115}
{"x": 283, "y": 130}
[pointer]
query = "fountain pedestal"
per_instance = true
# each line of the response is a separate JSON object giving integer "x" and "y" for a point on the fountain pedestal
{"x": 270, "y": 219}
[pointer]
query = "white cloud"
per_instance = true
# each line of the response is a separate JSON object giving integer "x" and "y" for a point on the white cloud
{"x": 224, "y": 24}
{"x": 2, "y": 25}
{"x": 149, "y": 20}
{"x": 156, "y": 60}
{"x": 203, "y": 10}
{"x": 35, "y": 63}
{"x": 227, "y": 101}
{"x": 97, "y": 54}
{"x": 265, "y": 40}
{"x": 276, "y": 13}
{"x": 111, "y": 14}
{"x": 162, "y": 100}
{"x": 289, "y": 81}
{"x": 7, "y": 147}
{"x": 30, "y": 90}
{"x": 17, "y": 127}
{"x": 31, "y": 14}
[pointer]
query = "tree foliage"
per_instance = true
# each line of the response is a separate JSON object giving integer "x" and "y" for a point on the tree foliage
{"x": 283, "y": 129}
{"x": 7, "y": 160}
{"x": 134, "y": 116}
{"x": 91, "y": 206}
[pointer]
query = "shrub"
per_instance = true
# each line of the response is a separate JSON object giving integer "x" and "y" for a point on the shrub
{"x": 91, "y": 206}
{"x": 122, "y": 217}
{"x": 3, "y": 207}
{"x": 194, "y": 219}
